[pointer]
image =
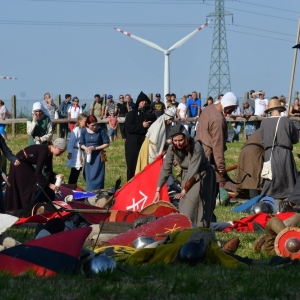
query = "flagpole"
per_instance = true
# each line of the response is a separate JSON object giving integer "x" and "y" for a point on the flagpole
{"x": 293, "y": 69}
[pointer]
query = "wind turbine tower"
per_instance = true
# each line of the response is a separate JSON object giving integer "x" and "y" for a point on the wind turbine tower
{"x": 219, "y": 76}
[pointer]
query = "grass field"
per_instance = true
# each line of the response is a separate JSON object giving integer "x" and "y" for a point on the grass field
{"x": 158, "y": 281}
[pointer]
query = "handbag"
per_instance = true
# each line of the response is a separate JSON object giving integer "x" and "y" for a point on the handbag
{"x": 103, "y": 156}
{"x": 266, "y": 172}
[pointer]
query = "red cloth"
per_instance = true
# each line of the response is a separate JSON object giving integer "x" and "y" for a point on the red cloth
{"x": 246, "y": 223}
{"x": 140, "y": 190}
{"x": 44, "y": 218}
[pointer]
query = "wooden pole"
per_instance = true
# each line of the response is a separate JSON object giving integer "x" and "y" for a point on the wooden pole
{"x": 293, "y": 69}
{"x": 14, "y": 114}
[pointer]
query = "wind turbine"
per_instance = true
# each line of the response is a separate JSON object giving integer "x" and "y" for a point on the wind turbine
{"x": 7, "y": 77}
{"x": 165, "y": 52}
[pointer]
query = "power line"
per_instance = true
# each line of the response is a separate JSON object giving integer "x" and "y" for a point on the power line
{"x": 272, "y": 7}
{"x": 257, "y": 13}
{"x": 267, "y": 37}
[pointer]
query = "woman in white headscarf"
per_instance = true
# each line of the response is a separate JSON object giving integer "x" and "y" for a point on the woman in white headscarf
{"x": 155, "y": 140}
{"x": 39, "y": 126}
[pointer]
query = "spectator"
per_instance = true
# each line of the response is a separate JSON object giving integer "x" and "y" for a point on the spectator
{"x": 261, "y": 104}
{"x": 237, "y": 126}
{"x": 39, "y": 126}
{"x": 122, "y": 112}
{"x": 73, "y": 112}
{"x": 4, "y": 113}
{"x": 112, "y": 126}
{"x": 93, "y": 140}
{"x": 209, "y": 101}
{"x": 295, "y": 112}
{"x": 181, "y": 112}
{"x": 97, "y": 109}
{"x": 45, "y": 105}
{"x": 136, "y": 124}
{"x": 110, "y": 106}
{"x": 129, "y": 102}
{"x": 174, "y": 102}
{"x": 247, "y": 112}
{"x": 158, "y": 107}
{"x": 283, "y": 103}
{"x": 193, "y": 111}
{"x": 63, "y": 114}
{"x": 75, "y": 157}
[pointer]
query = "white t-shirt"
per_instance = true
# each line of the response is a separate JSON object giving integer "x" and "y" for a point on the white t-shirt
{"x": 75, "y": 111}
{"x": 182, "y": 109}
{"x": 2, "y": 111}
{"x": 260, "y": 106}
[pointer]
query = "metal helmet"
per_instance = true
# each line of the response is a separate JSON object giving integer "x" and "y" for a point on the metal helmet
{"x": 97, "y": 264}
{"x": 292, "y": 245}
{"x": 192, "y": 253}
{"x": 142, "y": 241}
{"x": 261, "y": 207}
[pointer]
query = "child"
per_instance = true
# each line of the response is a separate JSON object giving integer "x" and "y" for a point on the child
{"x": 112, "y": 126}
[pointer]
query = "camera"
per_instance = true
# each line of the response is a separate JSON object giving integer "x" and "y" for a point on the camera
{"x": 147, "y": 109}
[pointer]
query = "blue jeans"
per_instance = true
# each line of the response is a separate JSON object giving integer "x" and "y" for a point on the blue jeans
{"x": 236, "y": 129}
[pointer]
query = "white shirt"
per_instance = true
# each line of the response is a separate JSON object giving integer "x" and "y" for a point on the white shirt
{"x": 74, "y": 112}
{"x": 260, "y": 106}
{"x": 182, "y": 109}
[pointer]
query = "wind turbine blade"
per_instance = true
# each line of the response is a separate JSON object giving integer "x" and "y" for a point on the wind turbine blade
{"x": 182, "y": 41}
{"x": 6, "y": 77}
{"x": 148, "y": 43}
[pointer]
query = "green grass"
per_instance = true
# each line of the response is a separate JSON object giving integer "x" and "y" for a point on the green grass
{"x": 158, "y": 281}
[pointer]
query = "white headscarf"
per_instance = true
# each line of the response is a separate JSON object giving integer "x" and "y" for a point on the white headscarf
{"x": 36, "y": 106}
{"x": 157, "y": 133}
{"x": 229, "y": 99}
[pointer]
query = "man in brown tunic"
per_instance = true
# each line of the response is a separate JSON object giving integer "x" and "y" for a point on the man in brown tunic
{"x": 212, "y": 132}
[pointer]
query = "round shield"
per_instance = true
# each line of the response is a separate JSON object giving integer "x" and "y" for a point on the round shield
{"x": 287, "y": 243}
{"x": 151, "y": 208}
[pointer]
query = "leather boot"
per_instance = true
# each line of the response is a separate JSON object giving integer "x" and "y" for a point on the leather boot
{"x": 273, "y": 227}
{"x": 232, "y": 245}
{"x": 293, "y": 221}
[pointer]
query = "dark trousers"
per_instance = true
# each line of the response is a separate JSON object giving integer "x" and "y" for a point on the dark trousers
{"x": 74, "y": 174}
{"x": 64, "y": 130}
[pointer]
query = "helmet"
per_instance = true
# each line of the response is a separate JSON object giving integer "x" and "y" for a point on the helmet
{"x": 292, "y": 245}
{"x": 192, "y": 253}
{"x": 142, "y": 241}
{"x": 261, "y": 207}
{"x": 92, "y": 266}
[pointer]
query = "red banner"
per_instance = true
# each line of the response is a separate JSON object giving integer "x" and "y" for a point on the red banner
{"x": 140, "y": 190}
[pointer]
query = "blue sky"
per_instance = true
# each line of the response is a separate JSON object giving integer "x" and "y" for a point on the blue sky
{"x": 46, "y": 52}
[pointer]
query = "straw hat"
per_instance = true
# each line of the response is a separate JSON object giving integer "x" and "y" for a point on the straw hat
{"x": 274, "y": 104}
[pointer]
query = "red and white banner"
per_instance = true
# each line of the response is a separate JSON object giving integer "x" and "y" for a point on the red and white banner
{"x": 140, "y": 190}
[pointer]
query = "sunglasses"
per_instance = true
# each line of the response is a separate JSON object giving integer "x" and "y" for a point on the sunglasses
{"x": 75, "y": 101}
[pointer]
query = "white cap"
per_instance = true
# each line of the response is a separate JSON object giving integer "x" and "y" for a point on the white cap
{"x": 229, "y": 99}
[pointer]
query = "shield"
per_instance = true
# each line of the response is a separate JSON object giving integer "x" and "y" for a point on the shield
{"x": 163, "y": 206}
{"x": 286, "y": 238}
{"x": 164, "y": 225}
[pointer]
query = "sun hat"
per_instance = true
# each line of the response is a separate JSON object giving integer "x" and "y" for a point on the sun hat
{"x": 274, "y": 104}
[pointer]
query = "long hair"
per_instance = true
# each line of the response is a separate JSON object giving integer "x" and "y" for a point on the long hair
{"x": 188, "y": 147}
{"x": 80, "y": 118}
{"x": 90, "y": 120}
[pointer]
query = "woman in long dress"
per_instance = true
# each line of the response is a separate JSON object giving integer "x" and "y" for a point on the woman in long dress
{"x": 283, "y": 164}
{"x": 198, "y": 177}
{"x": 93, "y": 140}
{"x": 156, "y": 138}
{"x": 26, "y": 179}
{"x": 75, "y": 158}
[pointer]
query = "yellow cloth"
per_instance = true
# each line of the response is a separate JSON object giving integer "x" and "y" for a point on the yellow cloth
{"x": 167, "y": 252}
{"x": 142, "y": 161}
